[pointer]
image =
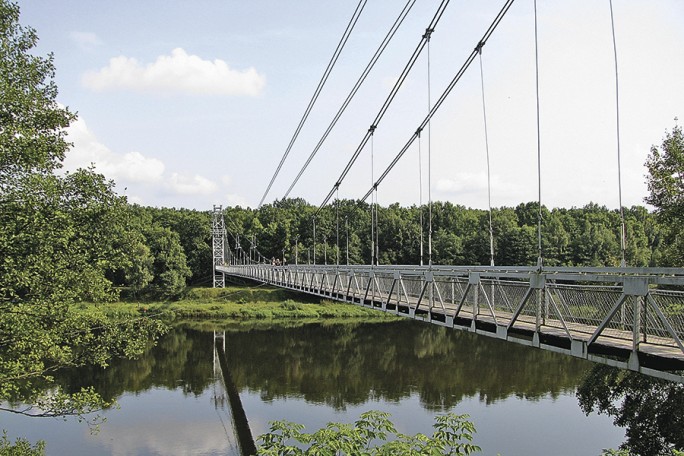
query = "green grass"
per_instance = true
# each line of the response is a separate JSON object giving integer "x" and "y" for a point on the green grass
{"x": 244, "y": 303}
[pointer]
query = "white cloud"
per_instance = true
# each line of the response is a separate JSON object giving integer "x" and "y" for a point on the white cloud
{"x": 463, "y": 183}
{"x": 131, "y": 167}
{"x": 142, "y": 179}
{"x": 470, "y": 189}
{"x": 233, "y": 199}
{"x": 178, "y": 72}
{"x": 191, "y": 185}
{"x": 87, "y": 41}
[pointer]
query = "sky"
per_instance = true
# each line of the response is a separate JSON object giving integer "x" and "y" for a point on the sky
{"x": 192, "y": 104}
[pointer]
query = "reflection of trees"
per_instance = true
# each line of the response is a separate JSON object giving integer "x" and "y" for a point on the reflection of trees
{"x": 350, "y": 364}
{"x": 651, "y": 410}
{"x": 344, "y": 364}
{"x": 181, "y": 359}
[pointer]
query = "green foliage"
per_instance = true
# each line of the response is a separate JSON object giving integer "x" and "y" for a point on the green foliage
{"x": 372, "y": 434}
{"x": 621, "y": 452}
{"x": 665, "y": 181}
{"x": 666, "y": 175}
{"x": 242, "y": 309}
{"x": 31, "y": 121}
{"x": 586, "y": 236}
{"x": 169, "y": 268}
{"x": 62, "y": 236}
{"x": 21, "y": 447}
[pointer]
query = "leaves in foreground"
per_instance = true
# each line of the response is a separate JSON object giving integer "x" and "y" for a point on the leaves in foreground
{"x": 372, "y": 434}
{"x": 21, "y": 447}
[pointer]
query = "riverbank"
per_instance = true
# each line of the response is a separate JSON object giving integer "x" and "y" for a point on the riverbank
{"x": 243, "y": 303}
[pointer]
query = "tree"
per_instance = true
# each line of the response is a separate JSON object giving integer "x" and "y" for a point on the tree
{"x": 31, "y": 122}
{"x": 169, "y": 268}
{"x": 555, "y": 240}
{"x": 194, "y": 235}
{"x": 61, "y": 236}
{"x": 665, "y": 177}
{"x": 665, "y": 181}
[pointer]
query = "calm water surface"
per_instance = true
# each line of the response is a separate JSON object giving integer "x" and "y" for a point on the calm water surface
{"x": 175, "y": 399}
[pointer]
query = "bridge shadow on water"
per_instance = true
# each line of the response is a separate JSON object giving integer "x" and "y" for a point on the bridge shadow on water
{"x": 240, "y": 426}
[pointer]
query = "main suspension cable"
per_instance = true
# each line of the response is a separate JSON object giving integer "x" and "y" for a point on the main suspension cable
{"x": 343, "y": 41}
{"x": 388, "y": 37}
{"x": 388, "y": 100}
{"x": 623, "y": 233}
{"x": 444, "y": 95}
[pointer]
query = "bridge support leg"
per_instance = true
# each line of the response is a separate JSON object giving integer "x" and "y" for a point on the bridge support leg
{"x": 535, "y": 340}
{"x": 502, "y": 332}
{"x": 578, "y": 348}
{"x": 633, "y": 363}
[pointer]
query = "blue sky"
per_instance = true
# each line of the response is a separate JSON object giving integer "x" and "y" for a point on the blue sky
{"x": 190, "y": 104}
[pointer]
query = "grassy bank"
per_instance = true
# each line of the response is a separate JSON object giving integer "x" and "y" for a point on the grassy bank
{"x": 245, "y": 303}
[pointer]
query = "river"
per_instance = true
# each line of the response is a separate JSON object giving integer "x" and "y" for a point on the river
{"x": 173, "y": 400}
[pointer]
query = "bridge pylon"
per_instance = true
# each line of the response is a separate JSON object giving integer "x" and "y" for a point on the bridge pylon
{"x": 218, "y": 237}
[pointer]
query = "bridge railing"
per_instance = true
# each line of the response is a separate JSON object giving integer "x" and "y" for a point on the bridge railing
{"x": 639, "y": 310}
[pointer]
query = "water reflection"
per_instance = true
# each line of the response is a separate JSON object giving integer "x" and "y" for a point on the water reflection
{"x": 351, "y": 364}
{"x": 354, "y": 366}
{"x": 345, "y": 364}
{"x": 650, "y": 409}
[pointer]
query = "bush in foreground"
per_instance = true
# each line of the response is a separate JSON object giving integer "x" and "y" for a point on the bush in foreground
{"x": 372, "y": 434}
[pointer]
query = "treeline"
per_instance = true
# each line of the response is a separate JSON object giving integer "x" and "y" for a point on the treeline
{"x": 587, "y": 236}
{"x": 174, "y": 246}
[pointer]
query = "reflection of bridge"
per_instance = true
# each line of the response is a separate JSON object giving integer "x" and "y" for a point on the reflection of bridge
{"x": 616, "y": 316}
{"x": 240, "y": 425}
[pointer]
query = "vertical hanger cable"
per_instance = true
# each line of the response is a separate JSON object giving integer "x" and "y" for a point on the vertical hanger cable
{"x": 623, "y": 233}
{"x": 489, "y": 181}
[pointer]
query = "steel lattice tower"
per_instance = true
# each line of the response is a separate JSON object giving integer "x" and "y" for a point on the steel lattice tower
{"x": 218, "y": 235}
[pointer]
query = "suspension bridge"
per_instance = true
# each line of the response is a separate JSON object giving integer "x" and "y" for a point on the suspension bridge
{"x": 628, "y": 317}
